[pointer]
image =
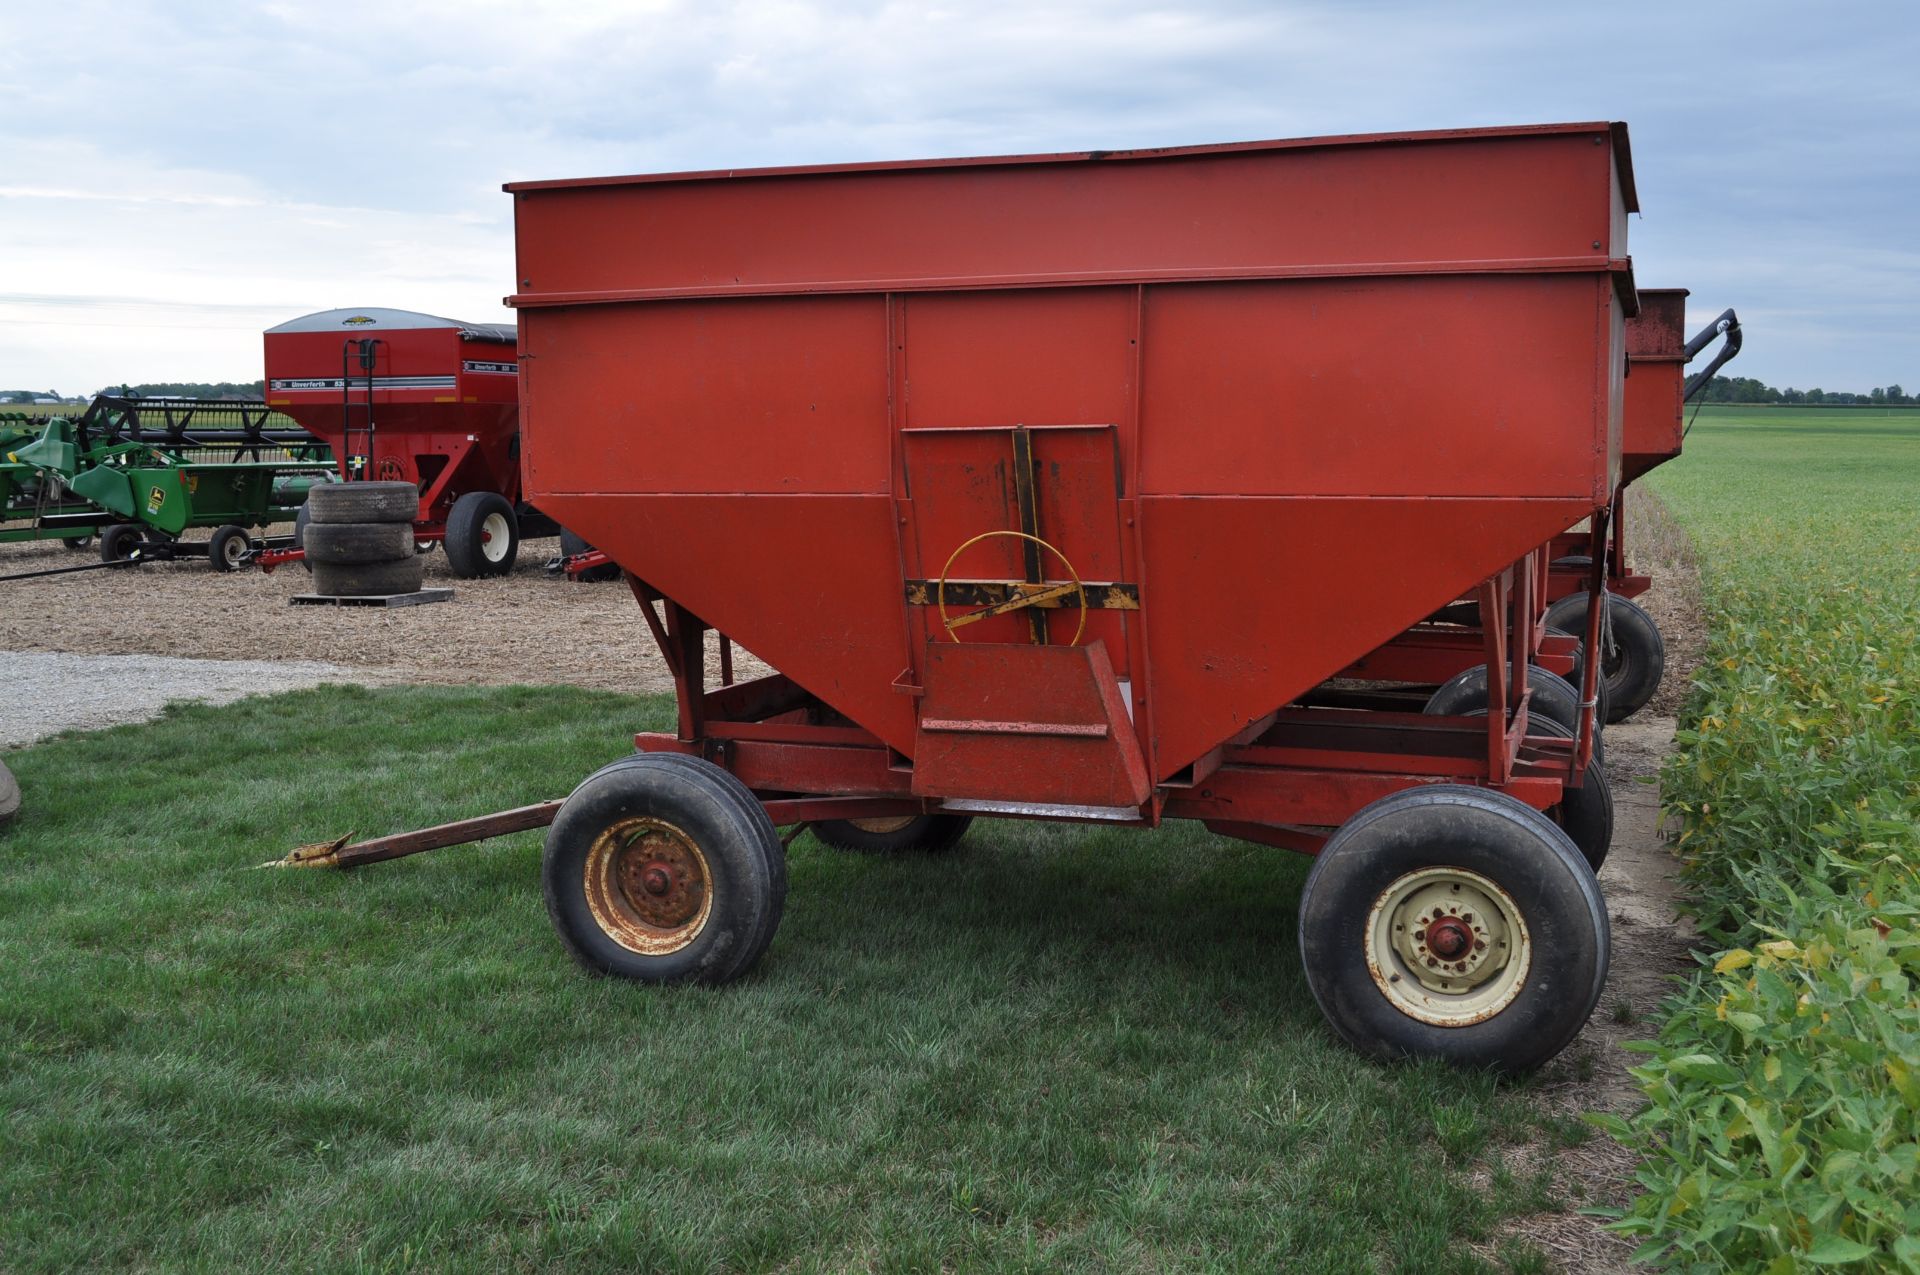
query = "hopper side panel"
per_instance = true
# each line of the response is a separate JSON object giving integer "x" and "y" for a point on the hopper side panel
{"x": 810, "y": 584}
{"x": 1443, "y": 386}
{"x": 1249, "y": 603}
{"x": 785, "y": 395}
{"x": 1406, "y": 202}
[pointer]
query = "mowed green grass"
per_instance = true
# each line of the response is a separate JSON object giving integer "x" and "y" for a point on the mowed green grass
{"x": 1054, "y": 1048}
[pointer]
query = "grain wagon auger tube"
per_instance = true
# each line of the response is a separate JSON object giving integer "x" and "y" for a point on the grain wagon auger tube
{"x": 1162, "y": 367}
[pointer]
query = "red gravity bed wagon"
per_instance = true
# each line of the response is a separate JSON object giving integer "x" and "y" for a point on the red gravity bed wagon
{"x": 1064, "y": 487}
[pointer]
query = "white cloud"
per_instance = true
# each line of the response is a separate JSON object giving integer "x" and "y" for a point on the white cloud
{"x": 191, "y": 155}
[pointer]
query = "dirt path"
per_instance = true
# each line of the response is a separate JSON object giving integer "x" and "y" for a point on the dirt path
{"x": 1650, "y": 939}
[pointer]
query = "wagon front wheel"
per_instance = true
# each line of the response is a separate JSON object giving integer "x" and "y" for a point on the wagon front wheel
{"x": 1454, "y": 923}
{"x": 664, "y": 869}
{"x": 892, "y": 835}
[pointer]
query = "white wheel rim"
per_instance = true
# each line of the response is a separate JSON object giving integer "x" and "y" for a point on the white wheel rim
{"x": 495, "y": 536}
{"x": 1447, "y": 946}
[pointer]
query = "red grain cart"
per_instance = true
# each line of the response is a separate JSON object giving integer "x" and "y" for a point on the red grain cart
{"x": 414, "y": 398}
{"x": 1049, "y": 484}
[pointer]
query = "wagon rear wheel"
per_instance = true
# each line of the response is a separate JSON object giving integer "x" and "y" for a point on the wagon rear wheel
{"x": 901, "y": 832}
{"x": 1454, "y": 923}
{"x": 664, "y": 869}
{"x": 1633, "y": 654}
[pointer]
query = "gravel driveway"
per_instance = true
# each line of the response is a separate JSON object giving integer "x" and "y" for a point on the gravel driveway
{"x": 48, "y": 692}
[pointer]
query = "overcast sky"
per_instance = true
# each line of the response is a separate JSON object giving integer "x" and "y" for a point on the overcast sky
{"x": 176, "y": 176}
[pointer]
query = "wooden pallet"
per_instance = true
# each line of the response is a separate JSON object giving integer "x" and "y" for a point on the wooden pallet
{"x": 419, "y": 598}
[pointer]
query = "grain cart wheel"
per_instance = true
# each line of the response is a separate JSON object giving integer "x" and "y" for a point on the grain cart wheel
{"x": 570, "y": 544}
{"x": 1634, "y": 655}
{"x": 368, "y": 579}
{"x": 1453, "y": 923}
{"x": 664, "y": 869}
{"x": 77, "y": 544}
{"x": 362, "y": 502}
{"x": 483, "y": 536}
{"x": 901, "y": 832}
{"x": 351, "y": 543}
{"x": 118, "y": 542}
{"x": 228, "y": 547}
{"x": 1554, "y": 698}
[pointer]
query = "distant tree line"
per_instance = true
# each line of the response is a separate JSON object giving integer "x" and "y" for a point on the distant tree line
{"x": 1744, "y": 389}
{"x": 192, "y": 389}
{"x": 28, "y": 396}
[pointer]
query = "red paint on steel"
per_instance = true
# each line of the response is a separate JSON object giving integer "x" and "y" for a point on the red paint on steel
{"x": 444, "y": 400}
{"x": 1296, "y": 397}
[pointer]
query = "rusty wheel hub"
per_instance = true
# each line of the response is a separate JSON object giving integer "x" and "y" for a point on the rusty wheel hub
{"x": 1447, "y": 946}
{"x": 647, "y": 886}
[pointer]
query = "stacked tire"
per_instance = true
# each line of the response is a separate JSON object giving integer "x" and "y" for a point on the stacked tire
{"x": 359, "y": 539}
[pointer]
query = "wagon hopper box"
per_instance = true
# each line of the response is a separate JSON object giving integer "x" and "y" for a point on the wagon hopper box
{"x": 1048, "y": 484}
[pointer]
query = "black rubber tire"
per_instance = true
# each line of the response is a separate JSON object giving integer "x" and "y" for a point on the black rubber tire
{"x": 1488, "y": 833}
{"x": 932, "y": 833}
{"x": 228, "y": 547}
{"x": 358, "y": 543}
{"x": 468, "y": 550}
{"x": 1579, "y": 671}
{"x": 1585, "y": 813}
{"x": 301, "y": 520}
{"x": 1639, "y": 656}
{"x": 362, "y": 502}
{"x": 745, "y": 861}
{"x": 1574, "y": 562}
{"x": 118, "y": 542}
{"x": 570, "y": 544}
{"x": 1553, "y": 696}
{"x": 368, "y": 579}
{"x": 77, "y": 544}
